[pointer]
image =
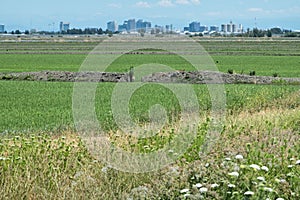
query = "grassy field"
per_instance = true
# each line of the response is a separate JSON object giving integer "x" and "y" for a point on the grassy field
{"x": 265, "y": 57}
{"x": 255, "y": 157}
{"x": 34, "y": 106}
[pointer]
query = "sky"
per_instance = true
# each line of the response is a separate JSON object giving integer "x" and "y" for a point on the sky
{"x": 46, "y": 15}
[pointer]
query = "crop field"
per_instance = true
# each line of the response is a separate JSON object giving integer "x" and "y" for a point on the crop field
{"x": 266, "y": 57}
{"x": 256, "y": 155}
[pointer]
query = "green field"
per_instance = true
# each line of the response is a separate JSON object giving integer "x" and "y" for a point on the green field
{"x": 255, "y": 157}
{"x": 34, "y": 106}
{"x": 266, "y": 57}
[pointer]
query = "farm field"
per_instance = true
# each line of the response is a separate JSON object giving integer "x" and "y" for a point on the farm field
{"x": 255, "y": 157}
{"x": 266, "y": 57}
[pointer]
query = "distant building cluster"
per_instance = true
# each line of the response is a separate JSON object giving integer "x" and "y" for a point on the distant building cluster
{"x": 64, "y": 27}
{"x": 2, "y": 28}
{"x": 142, "y": 27}
{"x": 129, "y": 26}
{"x": 133, "y": 26}
{"x": 196, "y": 27}
{"x": 231, "y": 28}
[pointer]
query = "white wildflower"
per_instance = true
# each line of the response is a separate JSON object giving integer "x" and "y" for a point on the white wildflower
{"x": 264, "y": 168}
{"x": 236, "y": 167}
{"x": 184, "y": 191}
{"x": 279, "y": 199}
{"x": 292, "y": 159}
{"x": 290, "y": 166}
{"x": 207, "y": 165}
{"x": 203, "y": 190}
{"x": 171, "y": 151}
{"x": 298, "y": 162}
{"x": 249, "y": 193}
{"x": 104, "y": 169}
{"x": 268, "y": 189}
{"x": 231, "y": 186}
{"x": 236, "y": 174}
{"x": 239, "y": 157}
{"x": 187, "y": 195}
{"x": 214, "y": 185}
{"x": 261, "y": 178}
{"x": 254, "y": 166}
{"x": 3, "y": 158}
{"x": 280, "y": 180}
{"x": 198, "y": 185}
{"x": 228, "y": 159}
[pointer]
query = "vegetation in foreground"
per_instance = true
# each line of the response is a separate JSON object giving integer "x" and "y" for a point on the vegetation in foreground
{"x": 256, "y": 157}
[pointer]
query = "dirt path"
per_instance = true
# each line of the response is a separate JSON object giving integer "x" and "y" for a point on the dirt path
{"x": 201, "y": 77}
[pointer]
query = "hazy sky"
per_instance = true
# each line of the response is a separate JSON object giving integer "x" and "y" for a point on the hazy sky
{"x": 20, "y": 14}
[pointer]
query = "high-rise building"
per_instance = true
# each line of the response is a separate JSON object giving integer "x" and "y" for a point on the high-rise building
{"x": 203, "y": 28}
{"x": 140, "y": 24}
{"x": 112, "y": 26}
{"x": 61, "y": 26}
{"x": 143, "y": 25}
{"x": 224, "y": 28}
{"x": 147, "y": 25}
{"x": 122, "y": 28}
{"x": 64, "y": 26}
{"x": 231, "y": 28}
{"x": 214, "y": 28}
{"x": 131, "y": 26}
{"x": 194, "y": 27}
{"x": 241, "y": 28}
{"x": 2, "y": 28}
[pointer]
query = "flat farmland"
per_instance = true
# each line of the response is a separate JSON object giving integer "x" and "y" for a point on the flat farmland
{"x": 256, "y": 155}
{"x": 266, "y": 57}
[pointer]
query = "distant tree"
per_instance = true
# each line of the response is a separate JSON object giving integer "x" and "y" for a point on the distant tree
{"x": 18, "y": 32}
{"x": 258, "y": 33}
{"x": 269, "y": 33}
{"x": 26, "y": 32}
{"x": 110, "y": 34}
{"x": 291, "y": 34}
{"x": 12, "y": 32}
{"x": 276, "y": 31}
{"x": 100, "y": 31}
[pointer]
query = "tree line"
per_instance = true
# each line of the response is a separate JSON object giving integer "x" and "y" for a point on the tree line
{"x": 255, "y": 32}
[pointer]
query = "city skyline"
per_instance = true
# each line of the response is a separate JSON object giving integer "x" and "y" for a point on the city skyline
{"x": 46, "y": 15}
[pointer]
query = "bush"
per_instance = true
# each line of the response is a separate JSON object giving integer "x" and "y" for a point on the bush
{"x": 252, "y": 73}
{"x": 230, "y": 71}
{"x": 275, "y": 75}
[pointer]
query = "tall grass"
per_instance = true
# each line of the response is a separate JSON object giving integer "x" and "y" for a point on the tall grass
{"x": 256, "y": 157}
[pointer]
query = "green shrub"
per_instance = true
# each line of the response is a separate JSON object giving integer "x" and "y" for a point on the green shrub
{"x": 275, "y": 75}
{"x": 252, "y": 73}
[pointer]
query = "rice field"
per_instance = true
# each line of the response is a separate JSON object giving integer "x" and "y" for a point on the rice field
{"x": 256, "y": 156}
